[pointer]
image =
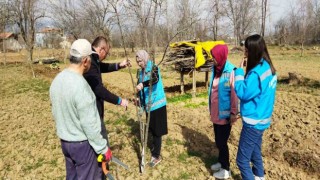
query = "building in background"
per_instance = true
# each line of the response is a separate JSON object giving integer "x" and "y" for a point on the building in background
{"x": 9, "y": 42}
{"x": 49, "y": 37}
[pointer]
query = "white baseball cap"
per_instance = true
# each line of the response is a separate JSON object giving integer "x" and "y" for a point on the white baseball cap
{"x": 81, "y": 48}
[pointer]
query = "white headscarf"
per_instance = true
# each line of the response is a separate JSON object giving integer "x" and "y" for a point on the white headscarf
{"x": 142, "y": 54}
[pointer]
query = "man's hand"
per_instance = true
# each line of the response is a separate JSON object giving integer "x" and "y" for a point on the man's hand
{"x": 125, "y": 63}
{"x": 139, "y": 87}
{"x": 124, "y": 103}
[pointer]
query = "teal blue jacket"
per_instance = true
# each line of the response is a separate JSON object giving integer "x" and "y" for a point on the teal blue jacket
{"x": 158, "y": 98}
{"x": 224, "y": 91}
{"x": 256, "y": 92}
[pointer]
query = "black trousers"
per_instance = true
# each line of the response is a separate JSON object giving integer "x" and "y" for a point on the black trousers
{"x": 156, "y": 145}
{"x": 104, "y": 132}
{"x": 222, "y": 133}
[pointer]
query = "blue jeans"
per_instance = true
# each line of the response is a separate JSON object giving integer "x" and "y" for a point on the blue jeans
{"x": 249, "y": 150}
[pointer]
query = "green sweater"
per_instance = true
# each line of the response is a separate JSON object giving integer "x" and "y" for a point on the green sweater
{"x": 75, "y": 111}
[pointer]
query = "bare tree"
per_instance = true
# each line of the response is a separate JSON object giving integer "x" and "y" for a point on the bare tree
{"x": 264, "y": 4}
{"x": 214, "y": 15}
{"x": 68, "y": 16}
{"x": 304, "y": 21}
{"x": 188, "y": 14}
{"x": 141, "y": 11}
{"x": 97, "y": 17}
{"x": 27, "y": 13}
{"x": 301, "y": 25}
{"x": 281, "y": 32}
{"x": 316, "y": 12}
{"x": 242, "y": 14}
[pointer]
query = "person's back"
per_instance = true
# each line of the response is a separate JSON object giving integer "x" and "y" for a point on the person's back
{"x": 77, "y": 118}
{"x": 70, "y": 95}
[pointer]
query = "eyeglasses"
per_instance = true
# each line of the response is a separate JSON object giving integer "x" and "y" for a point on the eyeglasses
{"x": 104, "y": 49}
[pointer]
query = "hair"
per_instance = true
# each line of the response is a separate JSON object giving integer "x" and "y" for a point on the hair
{"x": 257, "y": 49}
{"x": 75, "y": 60}
{"x": 97, "y": 41}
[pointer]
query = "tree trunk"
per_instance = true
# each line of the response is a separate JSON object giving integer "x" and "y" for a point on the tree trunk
{"x": 4, "y": 53}
{"x": 30, "y": 61}
{"x": 263, "y": 17}
{"x": 301, "y": 49}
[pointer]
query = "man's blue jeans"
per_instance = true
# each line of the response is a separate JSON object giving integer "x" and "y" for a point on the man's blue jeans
{"x": 249, "y": 150}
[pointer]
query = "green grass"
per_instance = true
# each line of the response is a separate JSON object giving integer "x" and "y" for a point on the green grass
{"x": 203, "y": 95}
{"x": 29, "y": 167}
{"x": 36, "y": 85}
{"x": 185, "y": 97}
{"x": 185, "y": 175}
{"x": 54, "y": 162}
{"x": 170, "y": 142}
{"x": 120, "y": 118}
{"x": 180, "y": 98}
{"x": 183, "y": 157}
{"x": 194, "y": 105}
{"x": 194, "y": 153}
{"x": 19, "y": 86}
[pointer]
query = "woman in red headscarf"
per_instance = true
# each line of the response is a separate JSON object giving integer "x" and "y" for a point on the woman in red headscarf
{"x": 223, "y": 107}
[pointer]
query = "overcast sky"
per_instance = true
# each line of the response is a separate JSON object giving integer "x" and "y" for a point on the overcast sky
{"x": 279, "y": 8}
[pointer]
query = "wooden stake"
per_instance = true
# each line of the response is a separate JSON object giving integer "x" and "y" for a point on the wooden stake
{"x": 181, "y": 82}
{"x": 194, "y": 84}
{"x": 206, "y": 79}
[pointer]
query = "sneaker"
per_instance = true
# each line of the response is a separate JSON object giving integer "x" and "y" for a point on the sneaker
{"x": 258, "y": 178}
{"x": 216, "y": 166}
{"x": 222, "y": 174}
{"x": 154, "y": 161}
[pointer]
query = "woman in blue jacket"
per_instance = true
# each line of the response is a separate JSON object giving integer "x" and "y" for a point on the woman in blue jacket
{"x": 256, "y": 91}
{"x": 150, "y": 74}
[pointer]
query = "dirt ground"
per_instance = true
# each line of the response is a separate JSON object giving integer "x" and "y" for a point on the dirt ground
{"x": 30, "y": 148}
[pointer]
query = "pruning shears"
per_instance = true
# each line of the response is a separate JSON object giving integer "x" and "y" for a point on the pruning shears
{"x": 105, "y": 165}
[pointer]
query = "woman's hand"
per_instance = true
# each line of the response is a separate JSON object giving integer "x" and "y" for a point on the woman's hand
{"x": 139, "y": 87}
{"x": 233, "y": 119}
{"x": 243, "y": 62}
{"x": 136, "y": 102}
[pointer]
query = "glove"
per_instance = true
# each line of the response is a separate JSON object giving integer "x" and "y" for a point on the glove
{"x": 105, "y": 157}
{"x": 108, "y": 155}
{"x": 139, "y": 87}
{"x": 124, "y": 103}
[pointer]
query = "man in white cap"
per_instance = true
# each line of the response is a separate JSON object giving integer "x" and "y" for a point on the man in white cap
{"x": 77, "y": 119}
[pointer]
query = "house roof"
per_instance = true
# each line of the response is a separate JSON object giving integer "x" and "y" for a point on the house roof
{"x": 6, "y": 35}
